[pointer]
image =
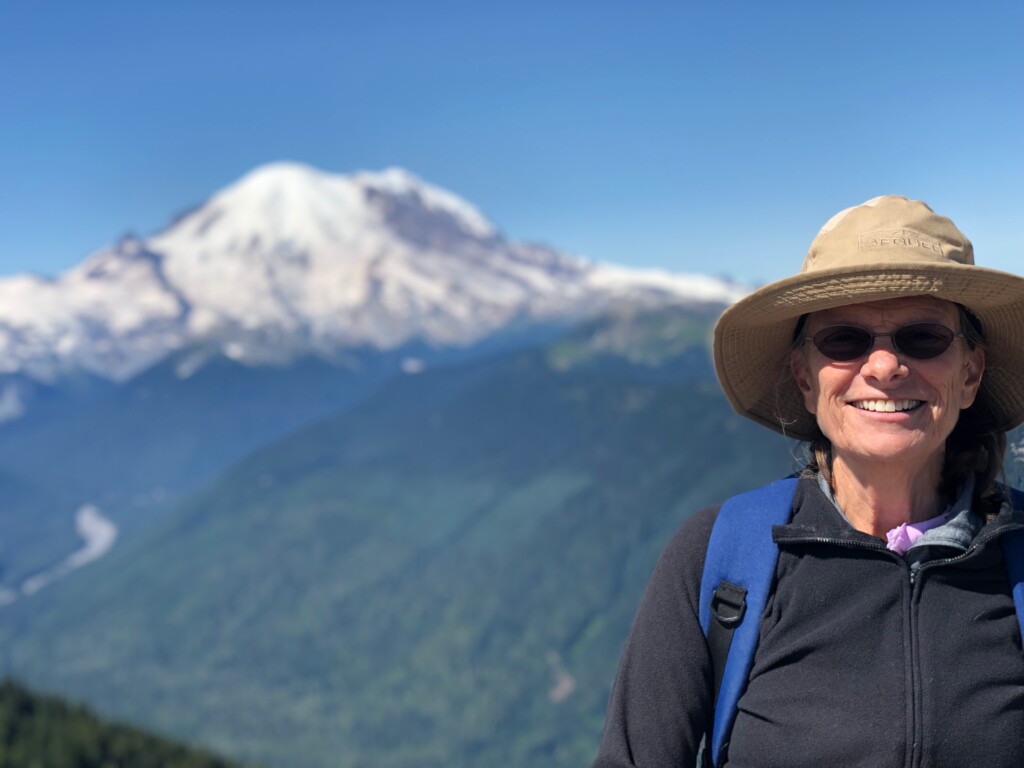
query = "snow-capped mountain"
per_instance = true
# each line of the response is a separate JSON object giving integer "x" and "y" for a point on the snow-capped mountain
{"x": 290, "y": 260}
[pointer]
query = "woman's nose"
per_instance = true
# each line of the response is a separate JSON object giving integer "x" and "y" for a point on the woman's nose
{"x": 883, "y": 362}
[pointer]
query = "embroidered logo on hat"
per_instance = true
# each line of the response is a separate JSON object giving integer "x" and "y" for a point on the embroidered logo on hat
{"x": 897, "y": 238}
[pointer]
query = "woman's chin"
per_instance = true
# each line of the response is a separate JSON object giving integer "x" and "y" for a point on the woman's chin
{"x": 906, "y": 448}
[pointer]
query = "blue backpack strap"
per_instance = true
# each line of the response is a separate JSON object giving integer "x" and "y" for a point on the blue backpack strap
{"x": 738, "y": 572}
{"x": 1013, "y": 554}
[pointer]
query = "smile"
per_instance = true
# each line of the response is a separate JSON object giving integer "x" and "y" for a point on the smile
{"x": 887, "y": 406}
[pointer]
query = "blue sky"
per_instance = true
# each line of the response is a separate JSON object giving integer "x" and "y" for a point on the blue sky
{"x": 710, "y": 137}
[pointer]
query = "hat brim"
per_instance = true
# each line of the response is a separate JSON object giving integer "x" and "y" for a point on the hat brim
{"x": 754, "y": 336}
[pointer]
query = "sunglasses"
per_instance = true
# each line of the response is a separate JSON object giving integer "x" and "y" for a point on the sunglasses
{"x": 920, "y": 341}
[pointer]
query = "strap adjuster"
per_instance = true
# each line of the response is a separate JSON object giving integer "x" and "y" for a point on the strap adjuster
{"x": 728, "y": 604}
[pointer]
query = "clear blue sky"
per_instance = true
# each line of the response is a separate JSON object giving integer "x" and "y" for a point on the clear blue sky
{"x": 706, "y": 136}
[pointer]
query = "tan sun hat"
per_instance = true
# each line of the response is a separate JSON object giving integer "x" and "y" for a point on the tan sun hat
{"x": 885, "y": 248}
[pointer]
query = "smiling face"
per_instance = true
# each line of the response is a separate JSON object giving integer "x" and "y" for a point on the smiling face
{"x": 886, "y": 406}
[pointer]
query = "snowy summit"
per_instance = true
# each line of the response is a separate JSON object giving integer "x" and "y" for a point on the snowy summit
{"x": 290, "y": 260}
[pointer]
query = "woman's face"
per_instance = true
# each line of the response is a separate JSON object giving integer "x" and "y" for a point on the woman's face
{"x": 846, "y": 397}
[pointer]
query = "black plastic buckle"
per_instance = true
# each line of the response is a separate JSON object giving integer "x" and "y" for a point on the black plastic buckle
{"x": 729, "y": 603}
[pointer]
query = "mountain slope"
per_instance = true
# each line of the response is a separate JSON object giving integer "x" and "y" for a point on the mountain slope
{"x": 290, "y": 262}
{"x": 443, "y": 575}
{"x": 164, "y": 433}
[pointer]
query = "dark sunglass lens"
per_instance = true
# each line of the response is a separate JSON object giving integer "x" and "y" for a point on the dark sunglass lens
{"x": 923, "y": 340}
{"x": 842, "y": 342}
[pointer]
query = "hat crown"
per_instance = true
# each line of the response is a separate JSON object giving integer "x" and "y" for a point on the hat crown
{"x": 888, "y": 230}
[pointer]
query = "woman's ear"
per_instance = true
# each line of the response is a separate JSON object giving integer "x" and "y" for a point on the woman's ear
{"x": 974, "y": 369}
{"x": 803, "y": 379}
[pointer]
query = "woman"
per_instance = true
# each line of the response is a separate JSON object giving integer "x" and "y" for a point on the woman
{"x": 890, "y": 636}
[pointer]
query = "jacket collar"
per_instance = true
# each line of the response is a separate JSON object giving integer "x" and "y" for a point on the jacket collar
{"x": 816, "y": 516}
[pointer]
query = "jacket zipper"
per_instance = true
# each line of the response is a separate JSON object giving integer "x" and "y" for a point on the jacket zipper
{"x": 912, "y": 725}
{"x": 915, "y": 695}
{"x": 915, "y": 673}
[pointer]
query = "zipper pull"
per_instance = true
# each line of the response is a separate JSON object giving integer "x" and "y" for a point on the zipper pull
{"x": 915, "y": 568}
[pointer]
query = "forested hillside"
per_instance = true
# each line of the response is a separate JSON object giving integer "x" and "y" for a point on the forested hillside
{"x": 443, "y": 575}
{"x": 46, "y": 732}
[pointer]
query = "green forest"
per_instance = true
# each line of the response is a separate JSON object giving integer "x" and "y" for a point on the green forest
{"x": 46, "y": 732}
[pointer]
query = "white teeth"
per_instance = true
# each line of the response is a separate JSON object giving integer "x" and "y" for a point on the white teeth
{"x": 890, "y": 406}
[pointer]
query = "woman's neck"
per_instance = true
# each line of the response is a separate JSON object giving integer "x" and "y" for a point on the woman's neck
{"x": 877, "y": 497}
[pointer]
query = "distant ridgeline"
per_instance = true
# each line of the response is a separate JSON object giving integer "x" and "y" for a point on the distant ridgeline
{"x": 47, "y": 732}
